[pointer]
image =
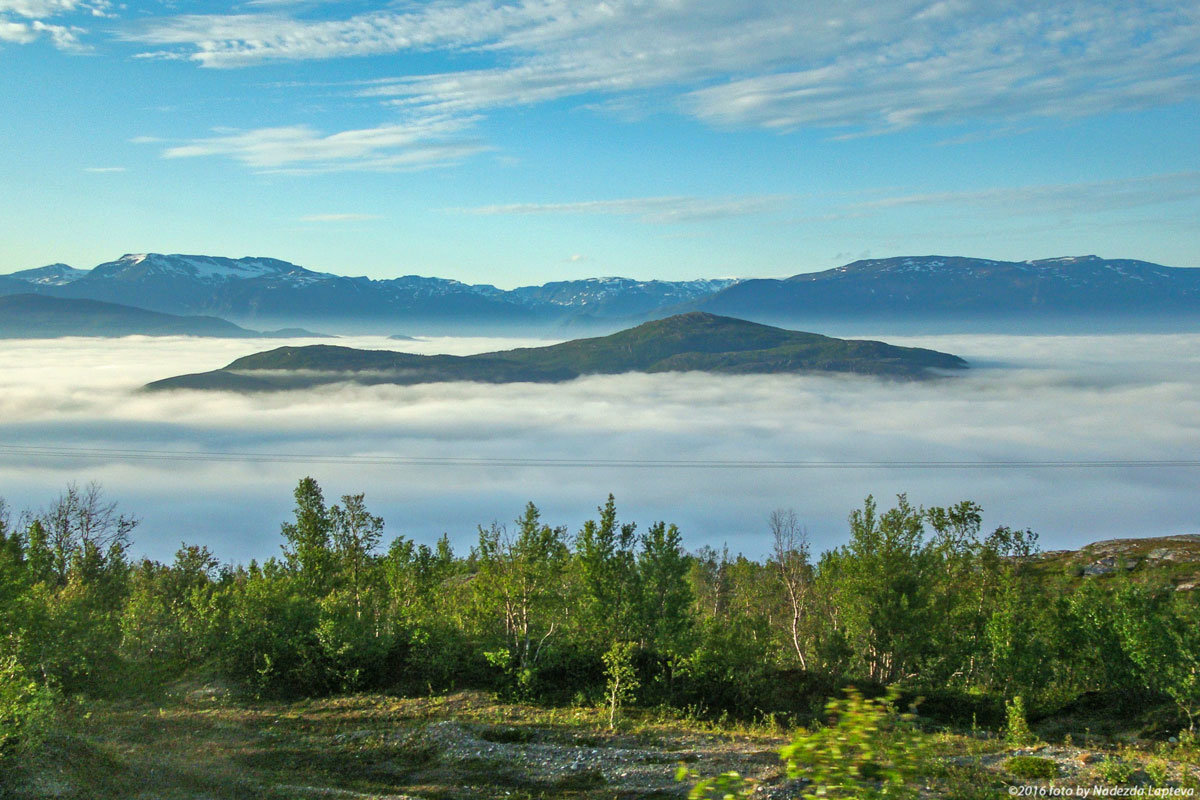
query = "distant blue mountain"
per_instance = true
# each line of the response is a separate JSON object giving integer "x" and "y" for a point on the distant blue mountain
{"x": 266, "y": 289}
{"x": 33, "y": 316}
{"x": 950, "y": 288}
{"x": 910, "y": 289}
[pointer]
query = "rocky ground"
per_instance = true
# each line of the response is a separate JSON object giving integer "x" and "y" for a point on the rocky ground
{"x": 206, "y": 745}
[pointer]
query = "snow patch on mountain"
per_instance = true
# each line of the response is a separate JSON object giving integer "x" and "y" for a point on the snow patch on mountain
{"x": 209, "y": 269}
{"x": 50, "y": 275}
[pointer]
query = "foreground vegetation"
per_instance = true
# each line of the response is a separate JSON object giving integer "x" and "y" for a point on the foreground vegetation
{"x": 138, "y": 669}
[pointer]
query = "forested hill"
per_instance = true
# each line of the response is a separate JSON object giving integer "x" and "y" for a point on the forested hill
{"x": 687, "y": 342}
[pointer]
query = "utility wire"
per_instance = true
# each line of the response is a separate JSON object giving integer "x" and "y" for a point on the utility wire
{"x": 128, "y": 454}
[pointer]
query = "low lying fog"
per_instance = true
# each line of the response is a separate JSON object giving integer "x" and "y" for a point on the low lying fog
{"x": 1127, "y": 397}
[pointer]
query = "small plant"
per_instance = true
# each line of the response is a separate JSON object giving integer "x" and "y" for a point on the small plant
{"x": 1115, "y": 771}
{"x": 1016, "y": 728}
{"x": 1032, "y": 768}
{"x": 622, "y": 678}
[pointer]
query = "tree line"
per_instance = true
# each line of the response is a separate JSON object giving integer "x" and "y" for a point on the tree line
{"x": 918, "y": 598}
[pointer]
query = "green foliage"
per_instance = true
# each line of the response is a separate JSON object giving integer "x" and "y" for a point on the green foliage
{"x": 308, "y": 543}
{"x": 1033, "y": 768}
{"x": 868, "y": 750}
{"x": 1160, "y": 633}
{"x": 1158, "y": 771}
{"x": 665, "y": 608}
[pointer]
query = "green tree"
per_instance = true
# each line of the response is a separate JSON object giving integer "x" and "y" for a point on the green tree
{"x": 355, "y": 536}
{"x": 519, "y": 580}
{"x": 606, "y": 560}
{"x": 621, "y": 676}
{"x": 790, "y": 563}
{"x": 308, "y": 549}
{"x": 883, "y": 590}
{"x": 666, "y": 599}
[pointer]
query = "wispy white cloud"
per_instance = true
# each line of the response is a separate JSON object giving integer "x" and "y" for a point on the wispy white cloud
{"x": 1047, "y": 199}
{"x": 102, "y": 170}
{"x": 420, "y": 144}
{"x": 858, "y": 65}
{"x": 339, "y": 217}
{"x": 659, "y": 210}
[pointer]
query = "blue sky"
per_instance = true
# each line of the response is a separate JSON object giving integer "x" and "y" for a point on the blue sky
{"x": 516, "y": 143}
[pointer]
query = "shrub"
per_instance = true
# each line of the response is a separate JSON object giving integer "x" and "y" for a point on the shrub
{"x": 1033, "y": 768}
{"x": 1115, "y": 771}
{"x": 1158, "y": 771}
{"x": 1016, "y": 729}
{"x": 26, "y": 709}
{"x": 868, "y": 751}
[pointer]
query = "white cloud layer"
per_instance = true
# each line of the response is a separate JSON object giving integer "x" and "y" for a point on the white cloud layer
{"x": 859, "y": 65}
{"x": 1029, "y": 398}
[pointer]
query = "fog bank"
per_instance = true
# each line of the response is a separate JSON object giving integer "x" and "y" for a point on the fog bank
{"x": 1078, "y": 398}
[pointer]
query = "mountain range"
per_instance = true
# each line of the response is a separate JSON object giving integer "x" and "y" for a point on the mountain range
{"x": 905, "y": 290}
{"x": 686, "y": 342}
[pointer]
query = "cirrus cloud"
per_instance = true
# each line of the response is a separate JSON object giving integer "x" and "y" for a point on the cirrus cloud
{"x": 420, "y": 144}
{"x": 858, "y": 65}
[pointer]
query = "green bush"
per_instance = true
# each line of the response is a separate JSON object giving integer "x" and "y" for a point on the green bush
{"x": 1032, "y": 768}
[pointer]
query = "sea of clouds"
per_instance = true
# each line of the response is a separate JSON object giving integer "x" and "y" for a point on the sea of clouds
{"x": 1044, "y": 398}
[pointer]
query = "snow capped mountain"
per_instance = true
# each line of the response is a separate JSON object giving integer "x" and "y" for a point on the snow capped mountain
{"x": 614, "y": 297}
{"x": 273, "y": 293}
{"x": 210, "y": 269}
{"x": 50, "y": 275}
{"x": 256, "y": 289}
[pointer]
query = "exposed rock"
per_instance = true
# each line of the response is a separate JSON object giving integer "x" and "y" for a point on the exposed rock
{"x": 1107, "y": 566}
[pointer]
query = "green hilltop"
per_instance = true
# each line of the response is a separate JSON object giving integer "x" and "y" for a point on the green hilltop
{"x": 687, "y": 342}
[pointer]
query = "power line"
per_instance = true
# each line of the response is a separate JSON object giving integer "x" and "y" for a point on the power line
{"x": 129, "y": 454}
